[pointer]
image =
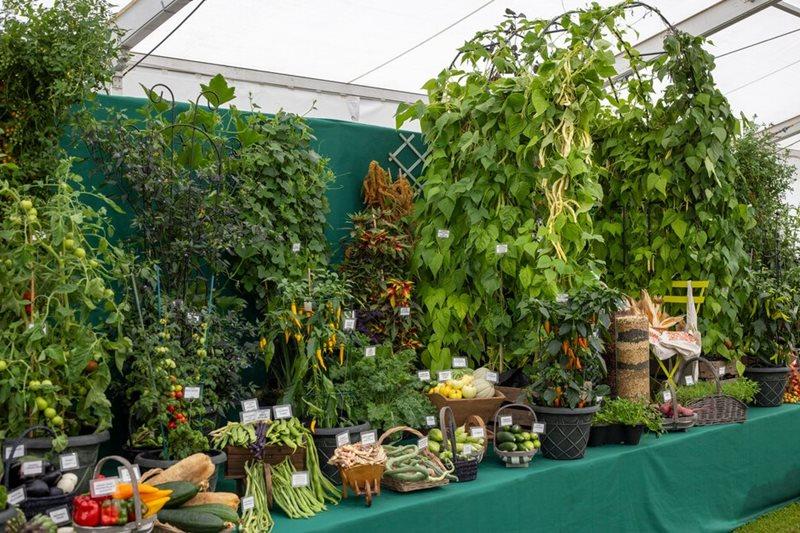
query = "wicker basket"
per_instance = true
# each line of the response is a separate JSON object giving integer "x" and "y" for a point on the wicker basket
{"x": 238, "y": 456}
{"x": 461, "y": 409}
{"x": 675, "y": 422}
{"x": 465, "y": 470}
{"x": 141, "y": 524}
{"x": 715, "y": 409}
{"x": 398, "y": 485}
{"x": 514, "y": 459}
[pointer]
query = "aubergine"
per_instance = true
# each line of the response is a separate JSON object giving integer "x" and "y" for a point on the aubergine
{"x": 55, "y": 491}
{"x": 36, "y": 488}
{"x": 51, "y": 478}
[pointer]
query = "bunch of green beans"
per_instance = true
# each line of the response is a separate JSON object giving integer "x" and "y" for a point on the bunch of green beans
{"x": 296, "y": 502}
{"x": 257, "y": 520}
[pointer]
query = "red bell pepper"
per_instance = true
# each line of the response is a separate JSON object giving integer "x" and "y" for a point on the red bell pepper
{"x": 114, "y": 513}
{"x": 86, "y": 511}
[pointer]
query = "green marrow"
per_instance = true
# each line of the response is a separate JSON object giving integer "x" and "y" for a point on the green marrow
{"x": 217, "y": 509}
{"x": 182, "y": 492}
{"x": 505, "y": 436}
{"x": 192, "y": 521}
{"x": 507, "y": 447}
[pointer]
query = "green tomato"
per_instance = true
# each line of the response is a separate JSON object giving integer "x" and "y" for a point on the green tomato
{"x": 201, "y": 352}
{"x": 34, "y": 385}
{"x": 69, "y": 244}
{"x": 3, "y": 365}
{"x": 108, "y": 293}
{"x": 57, "y": 421}
{"x": 47, "y": 383}
{"x": 94, "y": 263}
{"x": 8, "y": 263}
{"x": 32, "y": 212}
{"x": 32, "y": 219}
{"x": 50, "y": 412}
{"x": 41, "y": 403}
{"x": 80, "y": 253}
{"x": 15, "y": 219}
{"x": 26, "y": 205}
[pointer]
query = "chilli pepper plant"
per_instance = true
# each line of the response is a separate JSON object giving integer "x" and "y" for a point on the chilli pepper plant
{"x": 377, "y": 261}
{"x": 58, "y": 274}
{"x": 568, "y": 364}
{"x": 305, "y": 327}
{"x": 771, "y": 332}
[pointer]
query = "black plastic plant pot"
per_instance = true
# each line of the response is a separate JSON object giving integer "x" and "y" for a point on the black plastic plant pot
{"x": 605, "y": 434}
{"x": 152, "y": 459}
{"x": 87, "y": 448}
{"x": 325, "y": 441}
{"x": 631, "y": 435}
{"x": 771, "y": 384}
{"x": 566, "y": 431}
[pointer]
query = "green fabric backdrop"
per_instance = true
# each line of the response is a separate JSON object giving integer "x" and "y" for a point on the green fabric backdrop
{"x": 349, "y": 147}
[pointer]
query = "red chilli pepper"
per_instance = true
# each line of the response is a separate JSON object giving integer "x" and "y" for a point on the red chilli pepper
{"x": 86, "y": 511}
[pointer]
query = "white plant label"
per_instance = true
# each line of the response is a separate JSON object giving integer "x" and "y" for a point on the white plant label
{"x": 296, "y": 247}
{"x": 248, "y": 503}
{"x": 102, "y": 487}
{"x": 444, "y": 375}
{"x": 308, "y": 306}
{"x": 369, "y": 437}
{"x": 667, "y": 396}
{"x": 14, "y": 453}
{"x": 405, "y": 311}
{"x": 422, "y": 444}
{"x": 468, "y": 449}
{"x": 264, "y": 414}
{"x": 477, "y": 433}
{"x": 342, "y": 439}
{"x": 250, "y": 405}
{"x": 283, "y": 411}
{"x": 562, "y": 298}
{"x": 59, "y": 516}
{"x": 459, "y": 362}
{"x": 506, "y": 421}
{"x": 430, "y": 421}
{"x": 125, "y": 476}
{"x": 491, "y": 377}
{"x": 349, "y": 324}
{"x": 191, "y": 393}
{"x": 599, "y": 400}
{"x": 721, "y": 371}
{"x": 501, "y": 249}
{"x": 248, "y": 417}
{"x": 424, "y": 375}
{"x": 300, "y": 479}
{"x": 68, "y": 461}
{"x": 538, "y": 428}
{"x": 369, "y": 351}
{"x": 31, "y": 468}
{"x": 16, "y": 496}
{"x": 443, "y": 233}
{"x": 689, "y": 380}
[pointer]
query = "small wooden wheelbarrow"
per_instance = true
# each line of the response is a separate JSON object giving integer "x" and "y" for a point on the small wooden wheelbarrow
{"x": 363, "y": 480}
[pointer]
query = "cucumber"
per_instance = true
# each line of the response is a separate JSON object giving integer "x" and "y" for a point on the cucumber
{"x": 191, "y": 521}
{"x": 182, "y": 492}
{"x": 507, "y": 447}
{"x": 505, "y": 436}
{"x": 217, "y": 509}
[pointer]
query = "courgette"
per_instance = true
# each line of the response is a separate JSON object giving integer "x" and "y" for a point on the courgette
{"x": 217, "y": 509}
{"x": 505, "y": 436}
{"x": 191, "y": 521}
{"x": 182, "y": 492}
{"x": 507, "y": 447}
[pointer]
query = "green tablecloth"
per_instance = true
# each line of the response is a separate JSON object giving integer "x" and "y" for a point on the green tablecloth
{"x": 707, "y": 479}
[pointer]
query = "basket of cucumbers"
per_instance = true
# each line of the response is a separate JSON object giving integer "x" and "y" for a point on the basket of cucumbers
{"x": 512, "y": 443}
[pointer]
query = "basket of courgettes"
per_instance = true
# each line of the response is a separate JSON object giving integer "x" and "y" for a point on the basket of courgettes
{"x": 466, "y": 458}
{"x": 512, "y": 444}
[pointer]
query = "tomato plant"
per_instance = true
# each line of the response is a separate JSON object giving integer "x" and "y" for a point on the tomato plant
{"x": 58, "y": 276}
